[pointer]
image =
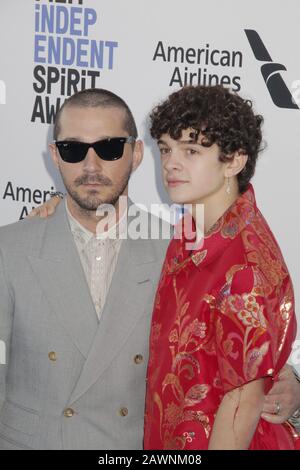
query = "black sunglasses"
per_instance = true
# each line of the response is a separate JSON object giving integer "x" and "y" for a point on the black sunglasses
{"x": 72, "y": 151}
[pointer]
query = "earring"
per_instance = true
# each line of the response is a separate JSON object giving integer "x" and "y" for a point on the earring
{"x": 228, "y": 189}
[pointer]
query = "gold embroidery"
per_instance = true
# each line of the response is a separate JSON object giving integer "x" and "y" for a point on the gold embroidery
{"x": 199, "y": 257}
{"x": 260, "y": 316}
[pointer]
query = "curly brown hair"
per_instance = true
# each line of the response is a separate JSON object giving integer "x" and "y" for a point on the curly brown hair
{"x": 222, "y": 117}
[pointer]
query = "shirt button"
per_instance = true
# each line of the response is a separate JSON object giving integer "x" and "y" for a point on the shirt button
{"x": 52, "y": 356}
{"x": 123, "y": 411}
{"x": 138, "y": 359}
{"x": 68, "y": 413}
{"x": 98, "y": 258}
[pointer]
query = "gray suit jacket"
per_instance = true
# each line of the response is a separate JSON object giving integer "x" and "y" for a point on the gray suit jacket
{"x": 69, "y": 382}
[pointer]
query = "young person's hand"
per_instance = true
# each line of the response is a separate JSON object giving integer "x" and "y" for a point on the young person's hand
{"x": 284, "y": 397}
{"x": 48, "y": 208}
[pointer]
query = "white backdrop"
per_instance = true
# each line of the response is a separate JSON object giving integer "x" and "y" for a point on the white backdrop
{"x": 132, "y": 39}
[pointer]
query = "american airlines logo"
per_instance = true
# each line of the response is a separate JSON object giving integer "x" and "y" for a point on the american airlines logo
{"x": 279, "y": 92}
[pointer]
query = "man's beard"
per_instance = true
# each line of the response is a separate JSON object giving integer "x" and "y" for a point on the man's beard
{"x": 94, "y": 200}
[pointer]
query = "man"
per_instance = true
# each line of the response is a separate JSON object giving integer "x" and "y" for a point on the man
{"x": 77, "y": 344}
{"x": 78, "y": 329}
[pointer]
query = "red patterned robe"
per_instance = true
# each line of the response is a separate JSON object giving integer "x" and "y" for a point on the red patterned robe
{"x": 223, "y": 316}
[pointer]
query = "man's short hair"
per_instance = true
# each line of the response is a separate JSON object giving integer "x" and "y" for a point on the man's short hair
{"x": 221, "y": 116}
{"x": 97, "y": 97}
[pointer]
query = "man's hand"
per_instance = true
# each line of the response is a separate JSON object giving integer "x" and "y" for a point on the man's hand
{"x": 48, "y": 208}
{"x": 283, "y": 399}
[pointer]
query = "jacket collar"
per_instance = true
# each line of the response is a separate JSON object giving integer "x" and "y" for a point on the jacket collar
{"x": 240, "y": 214}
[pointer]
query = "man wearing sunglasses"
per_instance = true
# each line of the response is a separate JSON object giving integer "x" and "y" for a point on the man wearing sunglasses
{"x": 76, "y": 307}
{"x": 76, "y": 303}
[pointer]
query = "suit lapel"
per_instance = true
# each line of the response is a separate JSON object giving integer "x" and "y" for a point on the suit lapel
{"x": 58, "y": 269}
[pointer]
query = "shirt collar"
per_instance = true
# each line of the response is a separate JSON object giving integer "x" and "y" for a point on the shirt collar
{"x": 240, "y": 214}
{"x": 86, "y": 235}
{"x": 77, "y": 229}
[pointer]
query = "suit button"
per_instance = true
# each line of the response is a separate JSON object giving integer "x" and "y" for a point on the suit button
{"x": 52, "y": 356}
{"x": 68, "y": 413}
{"x": 138, "y": 359}
{"x": 123, "y": 411}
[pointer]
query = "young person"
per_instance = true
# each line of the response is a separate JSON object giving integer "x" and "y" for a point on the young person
{"x": 223, "y": 322}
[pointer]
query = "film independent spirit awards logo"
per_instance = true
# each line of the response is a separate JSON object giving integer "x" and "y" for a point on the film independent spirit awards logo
{"x": 279, "y": 92}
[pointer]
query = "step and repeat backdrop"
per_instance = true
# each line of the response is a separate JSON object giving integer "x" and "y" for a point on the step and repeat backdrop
{"x": 143, "y": 50}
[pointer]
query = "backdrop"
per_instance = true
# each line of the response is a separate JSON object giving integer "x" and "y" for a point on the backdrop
{"x": 143, "y": 50}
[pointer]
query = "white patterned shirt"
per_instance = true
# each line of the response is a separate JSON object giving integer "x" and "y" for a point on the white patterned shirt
{"x": 98, "y": 254}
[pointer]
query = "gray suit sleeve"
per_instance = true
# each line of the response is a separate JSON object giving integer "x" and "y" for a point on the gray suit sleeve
{"x": 6, "y": 316}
